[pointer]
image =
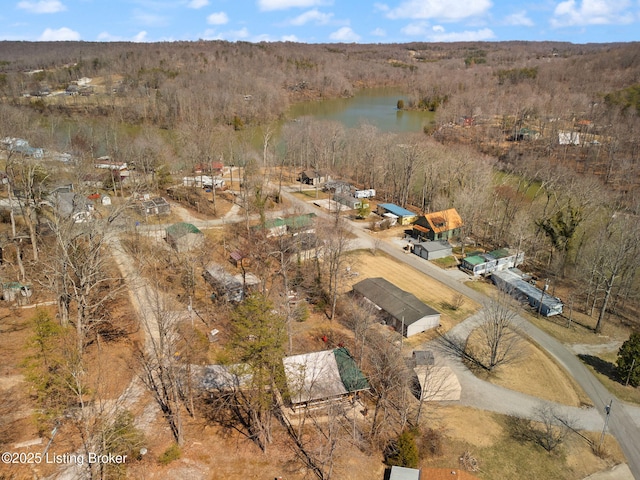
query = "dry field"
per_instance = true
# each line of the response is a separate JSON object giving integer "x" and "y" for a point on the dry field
{"x": 430, "y": 291}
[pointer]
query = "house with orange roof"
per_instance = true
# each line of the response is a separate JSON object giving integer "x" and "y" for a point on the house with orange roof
{"x": 438, "y": 225}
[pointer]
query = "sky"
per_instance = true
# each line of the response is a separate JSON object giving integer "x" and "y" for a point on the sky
{"x": 321, "y": 21}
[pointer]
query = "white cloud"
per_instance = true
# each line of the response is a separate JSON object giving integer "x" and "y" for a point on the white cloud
{"x": 43, "y": 6}
{"x": 440, "y": 9}
{"x": 380, "y": 7}
{"x": 219, "y": 18}
{"x": 285, "y": 4}
{"x": 62, "y": 34}
{"x": 344, "y": 34}
{"x": 107, "y": 37}
{"x": 289, "y": 38}
{"x": 440, "y": 35}
{"x": 379, "y": 32}
{"x": 196, "y": 4}
{"x": 519, "y": 19}
{"x": 592, "y": 12}
{"x": 415, "y": 29}
{"x": 140, "y": 37}
{"x": 314, "y": 15}
{"x": 234, "y": 35}
{"x": 150, "y": 19}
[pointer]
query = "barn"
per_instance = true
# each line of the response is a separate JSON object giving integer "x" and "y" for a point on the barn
{"x": 403, "y": 310}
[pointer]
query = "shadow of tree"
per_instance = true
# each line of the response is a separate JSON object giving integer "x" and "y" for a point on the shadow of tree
{"x": 601, "y": 366}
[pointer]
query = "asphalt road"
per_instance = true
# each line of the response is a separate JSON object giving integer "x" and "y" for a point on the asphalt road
{"x": 624, "y": 420}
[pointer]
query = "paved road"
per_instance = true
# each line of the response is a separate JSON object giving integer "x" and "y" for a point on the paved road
{"x": 624, "y": 420}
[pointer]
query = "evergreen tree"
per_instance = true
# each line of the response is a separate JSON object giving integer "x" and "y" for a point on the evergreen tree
{"x": 628, "y": 364}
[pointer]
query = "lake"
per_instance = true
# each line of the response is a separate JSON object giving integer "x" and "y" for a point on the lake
{"x": 376, "y": 107}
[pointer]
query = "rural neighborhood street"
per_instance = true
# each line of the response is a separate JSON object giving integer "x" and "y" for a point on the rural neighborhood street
{"x": 624, "y": 420}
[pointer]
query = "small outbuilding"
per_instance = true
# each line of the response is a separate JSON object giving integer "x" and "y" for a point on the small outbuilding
{"x": 404, "y": 473}
{"x": 228, "y": 287}
{"x": 405, "y": 217}
{"x": 184, "y": 236}
{"x": 433, "y": 250}
{"x": 403, "y": 310}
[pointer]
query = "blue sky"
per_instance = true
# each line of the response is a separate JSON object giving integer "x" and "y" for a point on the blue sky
{"x": 321, "y": 21}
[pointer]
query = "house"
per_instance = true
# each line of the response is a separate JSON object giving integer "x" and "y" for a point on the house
{"x": 515, "y": 286}
{"x": 293, "y": 226}
{"x": 438, "y": 225}
{"x": 19, "y": 145}
{"x": 350, "y": 201}
{"x": 337, "y": 186}
{"x": 405, "y": 217}
{"x": 154, "y": 206}
{"x": 70, "y": 204}
{"x": 223, "y": 377}
{"x": 569, "y": 138}
{"x": 313, "y": 177}
{"x": 203, "y": 181}
{"x": 16, "y": 291}
{"x": 228, "y": 287}
{"x": 403, "y": 310}
{"x": 486, "y": 263}
{"x": 433, "y": 250}
{"x": 322, "y": 377}
{"x": 368, "y": 193}
{"x": 404, "y": 473}
{"x": 106, "y": 163}
{"x": 184, "y": 236}
{"x": 214, "y": 168}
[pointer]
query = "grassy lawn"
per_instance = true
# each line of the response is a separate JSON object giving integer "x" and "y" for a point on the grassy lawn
{"x": 486, "y": 436}
{"x": 312, "y": 194}
{"x": 446, "y": 262}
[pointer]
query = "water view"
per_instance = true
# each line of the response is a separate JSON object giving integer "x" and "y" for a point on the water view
{"x": 376, "y": 107}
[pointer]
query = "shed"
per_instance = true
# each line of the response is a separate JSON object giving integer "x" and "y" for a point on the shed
{"x": 155, "y": 206}
{"x": 404, "y": 310}
{"x": 404, "y": 473}
{"x": 184, "y": 236}
{"x": 518, "y": 288}
{"x": 433, "y": 250}
{"x": 438, "y": 383}
{"x": 405, "y": 217}
{"x": 231, "y": 288}
{"x": 223, "y": 377}
{"x": 322, "y": 376}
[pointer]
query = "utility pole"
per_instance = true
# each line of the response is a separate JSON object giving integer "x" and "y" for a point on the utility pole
{"x": 607, "y": 410}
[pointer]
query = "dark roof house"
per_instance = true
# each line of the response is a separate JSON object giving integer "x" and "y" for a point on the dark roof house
{"x": 405, "y": 311}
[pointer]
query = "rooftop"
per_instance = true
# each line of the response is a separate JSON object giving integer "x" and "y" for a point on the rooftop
{"x": 397, "y": 210}
{"x": 393, "y": 300}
